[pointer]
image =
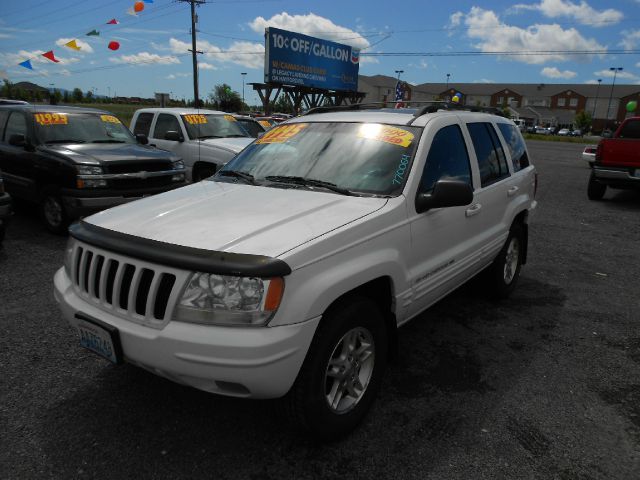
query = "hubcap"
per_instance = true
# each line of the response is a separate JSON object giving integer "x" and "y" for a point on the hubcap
{"x": 511, "y": 260}
{"x": 53, "y": 211}
{"x": 349, "y": 370}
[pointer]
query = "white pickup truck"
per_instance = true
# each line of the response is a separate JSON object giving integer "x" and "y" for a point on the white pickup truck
{"x": 205, "y": 139}
{"x": 287, "y": 273}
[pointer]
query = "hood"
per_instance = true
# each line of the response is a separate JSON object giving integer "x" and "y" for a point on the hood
{"x": 97, "y": 153}
{"x": 236, "y": 218}
{"x": 233, "y": 144}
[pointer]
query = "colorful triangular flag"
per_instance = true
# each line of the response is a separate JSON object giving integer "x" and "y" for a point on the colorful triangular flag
{"x": 148, "y": 1}
{"x": 50, "y": 56}
{"x": 72, "y": 45}
{"x": 93, "y": 33}
{"x": 26, "y": 64}
{"x": 113, "y": 21}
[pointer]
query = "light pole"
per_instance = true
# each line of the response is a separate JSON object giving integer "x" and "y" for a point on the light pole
{"x": 448, "y": 75}
{"x": 243, "y": 75}
{"x": 615, "y": 71}
{"x": 399, "y": 72}
{"x": 595, "y": 104}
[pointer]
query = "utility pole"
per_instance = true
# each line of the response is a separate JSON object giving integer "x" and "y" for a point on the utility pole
{"x": 194, "y": 52}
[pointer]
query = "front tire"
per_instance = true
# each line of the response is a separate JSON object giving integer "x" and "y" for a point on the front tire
{"x": 54, "y": 214}
{"x": 342, "y": 372}
{"x": 595, "y": 189}
{"x": 505, "y": 270}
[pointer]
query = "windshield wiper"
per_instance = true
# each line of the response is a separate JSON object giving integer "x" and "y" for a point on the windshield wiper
{"x": 204, "y": 137}
{"x": 65, "y": 141}
{"x": 111, "y": 140}
{"x": 247, "y": 177}
{"x": 236, "y": 136}
{"x": 309, "y": 182}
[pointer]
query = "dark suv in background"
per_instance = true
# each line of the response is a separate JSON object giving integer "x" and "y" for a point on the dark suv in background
{"x": 76, "y": 161}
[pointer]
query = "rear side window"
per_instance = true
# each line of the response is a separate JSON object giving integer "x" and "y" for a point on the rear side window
{"x": 630, "y": 130}
{"x": 17, "y": 125}
{"x": 447, "y": 159}
{"x": 516, "y": 146}
{"x": 491, "y": 158}
{"x": 164, "y": 124}
{"x": 143, "y": 124}
{"x": 3, "y": 120}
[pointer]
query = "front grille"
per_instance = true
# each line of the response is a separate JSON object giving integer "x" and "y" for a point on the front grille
{"x": 138, "y": 167}
{"x": 130, "y": 288}
{"x": 152, "y": 182}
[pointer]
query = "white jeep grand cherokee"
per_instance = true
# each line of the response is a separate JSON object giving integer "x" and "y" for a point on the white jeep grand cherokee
{"x": 287, "y": 274}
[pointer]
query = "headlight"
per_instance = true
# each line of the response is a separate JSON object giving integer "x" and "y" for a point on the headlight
{"x": 89, "y": 170}
{"x": 178, "y": 165}
{"x": 225, "y": 300}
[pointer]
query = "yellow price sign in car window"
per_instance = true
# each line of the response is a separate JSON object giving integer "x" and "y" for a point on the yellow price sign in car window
{"x": 386, "y": 133}
{"x": 109, "y": 119}
{"x": 51, "y": 118}
{"x": 282, "y": 133}
{"x": 195, "y": 119}
{"x": 264, "y": 123}
{"x": 230, "y": 118}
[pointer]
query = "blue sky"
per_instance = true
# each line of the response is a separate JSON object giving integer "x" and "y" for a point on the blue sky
{"x": 153, "y": 54}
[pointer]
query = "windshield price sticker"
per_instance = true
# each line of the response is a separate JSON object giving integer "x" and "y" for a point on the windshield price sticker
{"x": 230, "y": 118}
{"x": 51, "y": 118}
{"x": 264, "y": 123}
{"x": 109, "y": 119}
{"x": 195, "y": 119}
{"x": 282, "y": 133}
{"x": 387, "y": 134}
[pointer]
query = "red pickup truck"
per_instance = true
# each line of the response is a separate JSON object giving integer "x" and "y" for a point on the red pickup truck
{"x": 617, "y": 163}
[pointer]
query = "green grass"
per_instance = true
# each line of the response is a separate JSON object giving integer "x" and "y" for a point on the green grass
{"x": 558, "y": 138}
{"x": 123, "y": 111}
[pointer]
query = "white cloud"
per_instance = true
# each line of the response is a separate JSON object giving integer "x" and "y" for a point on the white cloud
{"x": 496, "y": 36}
{"x": 312, "y": 25}
{"x": 246, "y": 54}
{"x": 630, "y": 40}
{"x": 206, "y": 66}
{"x": 173, "y": 76}
{"x": 84, "y": 46}
{"x": 484, "y": 80}
{"x": 65, "y": 72}
{"x": 553, "y": 72}
{"x": 618, "y": 75}
{"x": 455, "y": 19}
{"x": 146, "y": 58}
{"x": 422, "y": 65}
{"x": 581, "y": 12}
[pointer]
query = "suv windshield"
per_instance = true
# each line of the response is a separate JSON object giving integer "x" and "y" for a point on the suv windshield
{"x": 204, "y": 126}
{"x": 80, "y": 128}
{"x": 355, "y": 158}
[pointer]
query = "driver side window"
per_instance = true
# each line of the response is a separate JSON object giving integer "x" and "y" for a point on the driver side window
{"x": 164, "y": 124}
{"x": 447, "y": 159}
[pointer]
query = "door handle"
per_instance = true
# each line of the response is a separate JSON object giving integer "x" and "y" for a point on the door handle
{"x": 512, "y": 191}
{"x": 473, "y": 210}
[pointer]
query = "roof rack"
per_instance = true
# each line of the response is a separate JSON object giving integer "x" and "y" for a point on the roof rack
{"x": 422, "y": 107}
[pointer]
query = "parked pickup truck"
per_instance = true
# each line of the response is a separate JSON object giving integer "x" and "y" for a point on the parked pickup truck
{"x": 287, "y": 273}
{"x": 617, "y": 162}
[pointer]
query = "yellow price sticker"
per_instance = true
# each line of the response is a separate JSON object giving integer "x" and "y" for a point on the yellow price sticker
{"x": 109, "y": 119}
{"x": 196, "y": 119}
{"x": 282, "y": 133}
{"x": 264, "y": 123}
{"x": 387, "y": 134}
{"x": 51, "y": 118}
{"x": 230, "y": 118}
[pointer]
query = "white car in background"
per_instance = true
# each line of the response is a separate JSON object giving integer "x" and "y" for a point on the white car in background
{"x": 205, "y": 139}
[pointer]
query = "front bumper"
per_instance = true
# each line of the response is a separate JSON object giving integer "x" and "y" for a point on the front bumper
{"x": 241, "y": 362}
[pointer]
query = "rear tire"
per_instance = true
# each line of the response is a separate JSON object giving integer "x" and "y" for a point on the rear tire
{"x": 342, "y": 372}
{"x": 54, "y": 214}
{"x": 595, "y": 189}
{"x": 504, "y": 272}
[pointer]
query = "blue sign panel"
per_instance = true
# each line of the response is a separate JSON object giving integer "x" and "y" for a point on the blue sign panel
{"x": 296, "y": 59}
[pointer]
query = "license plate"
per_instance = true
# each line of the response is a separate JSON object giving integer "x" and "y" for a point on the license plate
{"x": 100, "y": 338}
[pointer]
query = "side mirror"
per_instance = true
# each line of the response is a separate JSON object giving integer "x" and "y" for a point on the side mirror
{"x": 142, "y": 139}
{"x": 446, "y": 193}
{"x": 18, "y": 140}
{"x": 173, "y": 136}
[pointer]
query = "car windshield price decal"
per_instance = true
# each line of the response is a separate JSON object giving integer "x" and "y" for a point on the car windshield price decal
{"x": 387, "y": 134}
{"x": 282, "y": 133}
{"x": 230, "y": 118}
{"x": 264, "y": 123}
{"x": 51, "y": 118}
{"x": 109, "y": 119}
{"x": 195, "y": 119}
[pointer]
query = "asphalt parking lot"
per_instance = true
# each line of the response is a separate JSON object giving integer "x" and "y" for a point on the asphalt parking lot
{"x": 544, "y": 385}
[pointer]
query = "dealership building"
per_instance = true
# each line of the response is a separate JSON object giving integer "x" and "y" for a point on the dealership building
{"x": 535, "y": 103}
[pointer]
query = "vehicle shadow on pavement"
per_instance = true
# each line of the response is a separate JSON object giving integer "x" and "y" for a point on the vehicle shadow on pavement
{"x": 441, "y": 395}
{"x": 628, "y": 200}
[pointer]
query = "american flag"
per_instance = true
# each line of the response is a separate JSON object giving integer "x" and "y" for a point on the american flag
{"x": 399, "y": 94}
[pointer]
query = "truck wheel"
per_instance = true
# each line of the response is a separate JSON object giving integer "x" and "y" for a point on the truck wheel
{"x": 53, "y": 214}
{"x": 342, "y": 372}
{"x": 201, "y": 172}
{"x": 505, "y": 270}
{"x": 595, "y": 189}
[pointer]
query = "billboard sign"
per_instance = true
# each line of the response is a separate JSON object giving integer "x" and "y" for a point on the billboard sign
{"x": 296, "y": 59}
